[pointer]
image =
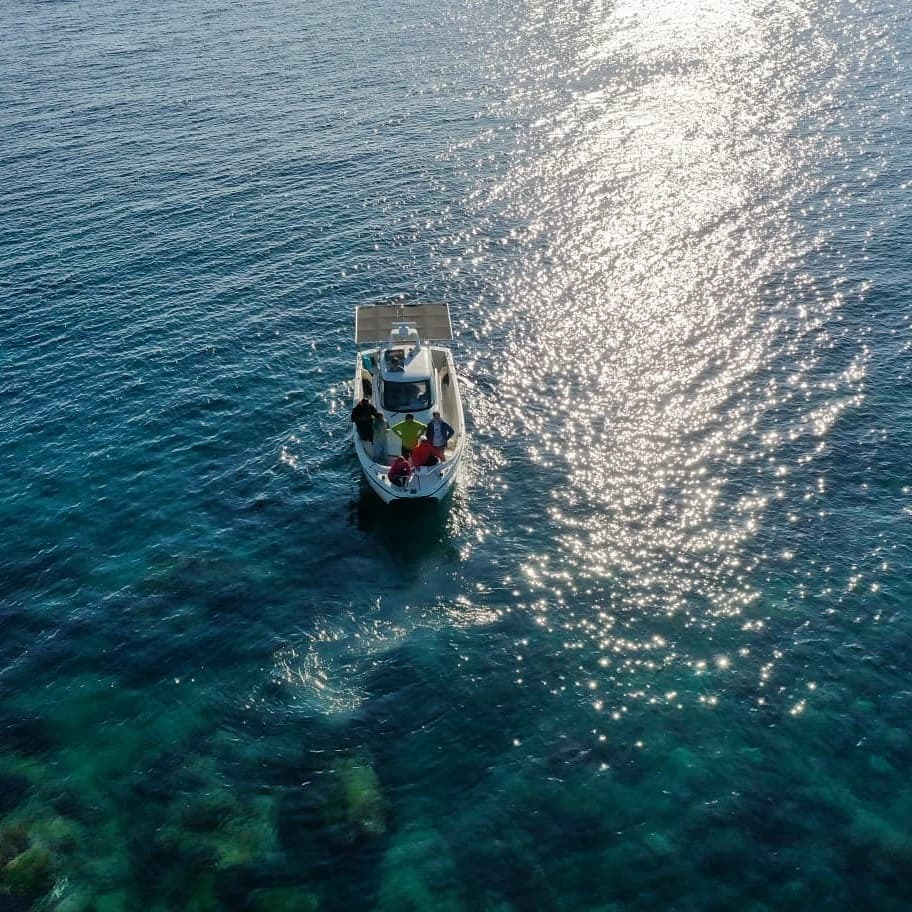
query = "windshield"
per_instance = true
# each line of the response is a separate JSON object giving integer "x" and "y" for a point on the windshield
{"x": 410, "y": 396}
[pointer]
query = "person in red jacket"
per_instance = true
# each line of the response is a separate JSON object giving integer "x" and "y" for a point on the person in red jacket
{"x": 423, "y": 454}
{"x": 399, "y": 472}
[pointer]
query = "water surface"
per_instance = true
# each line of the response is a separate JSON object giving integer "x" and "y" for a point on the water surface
{"x": 653, "y": 652}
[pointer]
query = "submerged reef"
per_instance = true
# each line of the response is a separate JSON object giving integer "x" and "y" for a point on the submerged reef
{"x": 26, "y": 866}
{"x": 357, "y": 808}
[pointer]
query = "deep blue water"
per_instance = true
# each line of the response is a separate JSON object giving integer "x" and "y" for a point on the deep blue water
{"x": 654, "y": 652}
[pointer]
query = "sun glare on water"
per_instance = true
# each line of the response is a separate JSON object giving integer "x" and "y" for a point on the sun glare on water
{"x": 658, "y": 262}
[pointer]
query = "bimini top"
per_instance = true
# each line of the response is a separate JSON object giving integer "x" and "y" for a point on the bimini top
{"x": 374, "y": 322}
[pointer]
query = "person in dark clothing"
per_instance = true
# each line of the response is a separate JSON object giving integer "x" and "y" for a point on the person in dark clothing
{"x": 363, "y": 416}
{"x": 439, "y": 433}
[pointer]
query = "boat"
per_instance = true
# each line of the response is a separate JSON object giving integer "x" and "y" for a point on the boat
{"x": 404, "y": 367}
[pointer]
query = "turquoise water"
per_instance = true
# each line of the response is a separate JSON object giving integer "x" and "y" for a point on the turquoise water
{"x": 653, "y": 653}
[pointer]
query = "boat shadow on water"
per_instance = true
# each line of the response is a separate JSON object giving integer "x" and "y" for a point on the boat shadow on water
{"x": 408, "y": 530}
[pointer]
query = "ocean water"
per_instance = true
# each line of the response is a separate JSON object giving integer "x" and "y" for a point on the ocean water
{"x": 654, "y": 651}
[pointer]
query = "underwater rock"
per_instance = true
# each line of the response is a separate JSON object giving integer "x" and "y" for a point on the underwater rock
{"x": 420, "y": 873}
{"x": 207, "y": 813}
{"x": 59, "y": 834}
{"x": 897, "y": 741}
{"x": 251, "y": 837}
{"x": 283, "y": 899}
{"x": 78, "y": 901}
{"x": 30, "y": 873}
{"x": 881, "y": 765}
{"x": 73, "y": 805}
{"x": 13, "y": 841}
{"x": 228, "y": 831}
{"x": 659, "y": 844}
{"x": 116, "y": 901}
{"x": 357, "y": 808}
{"x": 892, "y": 842}
{"x": 202, "y": 895}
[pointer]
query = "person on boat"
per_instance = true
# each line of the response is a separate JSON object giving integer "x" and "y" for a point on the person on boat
{"x": 423, "y": 454}
{"x": 439, "y": 433}
{"x": 363, "y": 416}
{"x": 399, "y": 472}
{"x": 409, "y": 432}
{"x": 379, "y": 431}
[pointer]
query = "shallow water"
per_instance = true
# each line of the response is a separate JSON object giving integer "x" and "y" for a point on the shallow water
{"x": 652, "y": 653}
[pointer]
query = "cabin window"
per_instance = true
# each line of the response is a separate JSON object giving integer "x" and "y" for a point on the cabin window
{"x": 410, "y": 396}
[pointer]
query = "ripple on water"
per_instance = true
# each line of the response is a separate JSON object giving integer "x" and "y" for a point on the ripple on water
{"x": 657, "y": 635}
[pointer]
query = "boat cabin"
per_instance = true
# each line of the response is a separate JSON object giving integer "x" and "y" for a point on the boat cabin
{"x": 405, "y": 378}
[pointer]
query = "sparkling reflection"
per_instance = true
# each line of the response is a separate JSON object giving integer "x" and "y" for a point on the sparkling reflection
{"x": 662, "y": 333}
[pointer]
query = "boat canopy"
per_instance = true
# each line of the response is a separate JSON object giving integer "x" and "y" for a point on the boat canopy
{"x": 375, "y": 322}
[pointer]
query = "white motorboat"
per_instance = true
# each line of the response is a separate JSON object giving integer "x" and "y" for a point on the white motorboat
{"x": 403, "y": 368}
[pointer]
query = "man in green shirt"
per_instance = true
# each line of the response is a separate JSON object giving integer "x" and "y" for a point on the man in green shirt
{"x": 409, "y": 432}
